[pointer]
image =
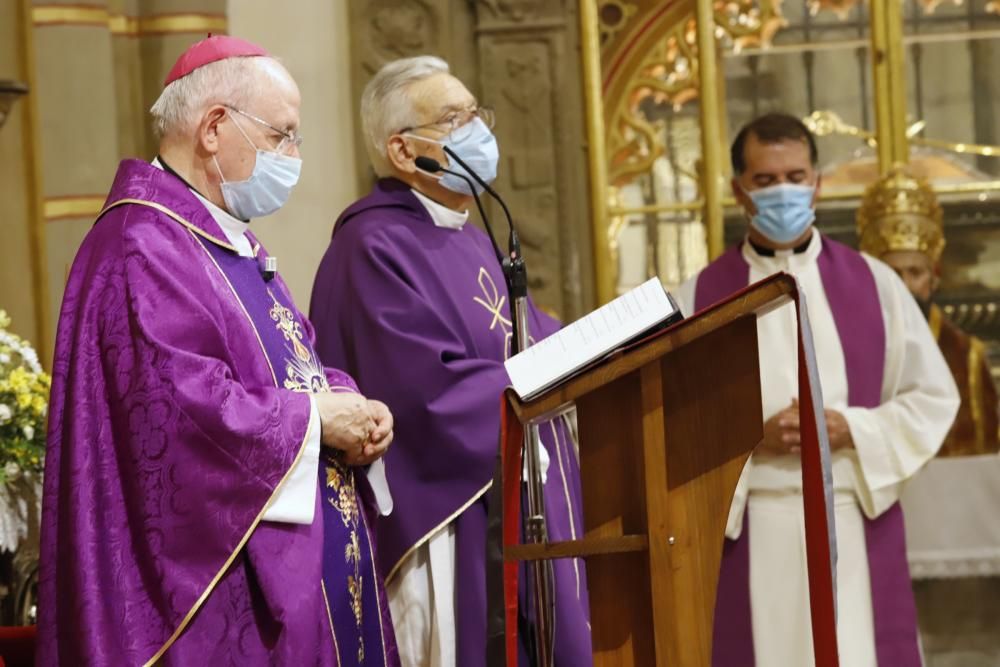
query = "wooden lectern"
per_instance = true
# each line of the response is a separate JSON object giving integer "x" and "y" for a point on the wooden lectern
{"x": 665, "y": 429}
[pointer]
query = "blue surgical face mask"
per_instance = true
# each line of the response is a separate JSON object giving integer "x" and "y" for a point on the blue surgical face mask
{"x": 268, "y": 188}
{"x": 784, "y": 211}
{"x": 476, "y": 147}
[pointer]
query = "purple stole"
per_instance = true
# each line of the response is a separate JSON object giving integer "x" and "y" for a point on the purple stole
{"x": 356, "y": 606}
{"x": 853, "y": 297}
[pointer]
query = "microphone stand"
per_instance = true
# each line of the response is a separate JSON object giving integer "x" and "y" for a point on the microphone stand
{"x": 540, "y": 571}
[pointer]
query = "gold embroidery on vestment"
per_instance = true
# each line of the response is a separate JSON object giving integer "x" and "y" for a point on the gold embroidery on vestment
{"x": 303, "y": 370}
{"x": 340, "y": 480}
{"x": 494, "y": 302}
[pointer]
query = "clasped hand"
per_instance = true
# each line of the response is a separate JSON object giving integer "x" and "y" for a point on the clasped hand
{"x": 359, "y": 427}
{"x": 782, "y": 435}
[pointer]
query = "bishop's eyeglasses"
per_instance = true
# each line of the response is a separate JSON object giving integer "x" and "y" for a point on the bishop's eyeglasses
{"x": 287, "y": 140}
{"x": 457, "y": 123}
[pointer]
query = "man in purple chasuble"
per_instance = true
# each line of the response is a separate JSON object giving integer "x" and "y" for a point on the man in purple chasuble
{"x": 889, "y": 401}
{"x": 410, "y": 299}
{"x": 201, "y": 502}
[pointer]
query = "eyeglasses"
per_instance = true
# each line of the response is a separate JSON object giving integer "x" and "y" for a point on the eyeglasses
{"x": 288, "y": 141}
{"x": 454, "y": 122}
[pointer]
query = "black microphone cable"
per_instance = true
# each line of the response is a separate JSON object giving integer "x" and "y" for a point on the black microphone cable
{"x": 432, "y": 166}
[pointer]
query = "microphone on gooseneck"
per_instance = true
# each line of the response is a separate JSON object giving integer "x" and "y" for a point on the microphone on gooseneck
{"x": 432, "y": 166}
{"x": 514, "y": 243}
{"x": 514, "y": 268}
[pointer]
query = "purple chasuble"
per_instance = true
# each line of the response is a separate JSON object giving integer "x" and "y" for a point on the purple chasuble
{"x": 178, "y": 410}
{"x": 857, "y": 314}
{"x": 418, "y": 314}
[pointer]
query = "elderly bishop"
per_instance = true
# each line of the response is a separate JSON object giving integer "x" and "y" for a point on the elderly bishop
{"x": 201, "y": 504}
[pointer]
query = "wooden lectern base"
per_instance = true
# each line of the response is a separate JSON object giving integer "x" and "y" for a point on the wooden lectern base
{"x": 666, "y": 428}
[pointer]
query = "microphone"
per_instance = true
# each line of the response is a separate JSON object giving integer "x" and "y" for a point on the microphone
{"x": 513, "y": 266}
{"x": 514, "y": 243}
{"x": 269, "y": 269}
{"x": 516, "y": 274}
{"x": 432, "y": 166}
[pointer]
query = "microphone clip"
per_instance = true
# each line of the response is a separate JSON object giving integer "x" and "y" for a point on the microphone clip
{"x": 270, "y": 269}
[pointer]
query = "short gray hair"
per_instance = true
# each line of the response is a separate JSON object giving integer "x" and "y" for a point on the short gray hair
{"x": 386, "y": 106}
{"x": 234, "y": 81}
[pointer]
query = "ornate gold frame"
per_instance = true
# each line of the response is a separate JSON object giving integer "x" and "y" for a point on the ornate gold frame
{"x": 606, "y": 95}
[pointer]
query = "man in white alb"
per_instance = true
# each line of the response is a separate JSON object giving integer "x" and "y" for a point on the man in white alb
{"x": 889, "y": 401}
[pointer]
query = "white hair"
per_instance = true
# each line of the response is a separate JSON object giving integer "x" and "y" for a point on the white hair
{"x": 387, "y": 107}
{"x": 232, "y": 81}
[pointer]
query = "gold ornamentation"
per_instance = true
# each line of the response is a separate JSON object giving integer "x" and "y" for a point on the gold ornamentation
{"x": 670, "y": 74}
{"x": 131, "y": 26}
{"x": 173, "y": 216}
{"x": 842, "y": 8}
{"x": 975, "y": 361}
{"x": 613, "y": 16}
{"x": 73, "y": 206}
{"x": 900, "y": 212}
{"x": 825, "y": 123}
{"x": 303, "y": 371}
{"x": 329, "y": 618}
{"x": 289, "y": 326}
{"x": 934, "y": 321}
{"x": 748, "y": 23}
{"x": 344, "y": 499}
{"x": 232, "y": 556}
{"x": 494, "y": 302}
{"x": 426, "y": 536}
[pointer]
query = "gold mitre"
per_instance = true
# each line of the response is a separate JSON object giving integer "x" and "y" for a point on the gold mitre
{"x": 900, "y": 212}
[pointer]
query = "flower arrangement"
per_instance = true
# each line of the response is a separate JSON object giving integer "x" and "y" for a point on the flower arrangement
{"x": 24, "y": 403}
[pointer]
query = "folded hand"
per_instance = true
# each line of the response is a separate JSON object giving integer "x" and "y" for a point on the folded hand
{"x": 346, "y": 422}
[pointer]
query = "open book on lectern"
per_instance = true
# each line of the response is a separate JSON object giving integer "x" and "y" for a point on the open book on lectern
{"x": 631, "y": 317}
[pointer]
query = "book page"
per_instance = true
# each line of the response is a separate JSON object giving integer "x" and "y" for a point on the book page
{"x": 589, "y": 338}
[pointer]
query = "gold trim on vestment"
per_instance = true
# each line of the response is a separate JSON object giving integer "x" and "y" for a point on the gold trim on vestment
{"x": 378, "y": 598}
{"x": 74, "y": 206}
{"x": 195, "y": 230}
{"x": 569, "y": 501}
{"x": 253, "y": 526}
{"x": 975, "y": 398}
{"x": 167, "y": 212}
{"x": 427, "y": 536}
{"x": 236, "y": 296}
{"x": 229, "y": 561}
{"x": 329, "y": 615}
{"x": 934, "y": 321}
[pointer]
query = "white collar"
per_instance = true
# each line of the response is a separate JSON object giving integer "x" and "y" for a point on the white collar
{"x": 441, "y": 214}
{"x": 784, "y": 259}
{"x": 232, "y": 226}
